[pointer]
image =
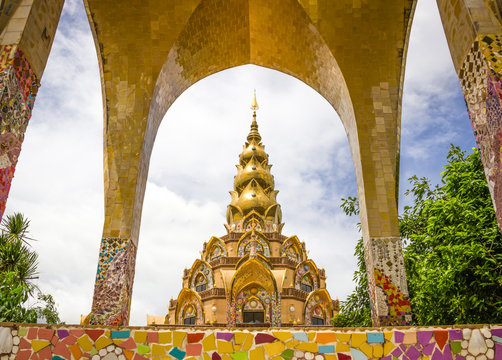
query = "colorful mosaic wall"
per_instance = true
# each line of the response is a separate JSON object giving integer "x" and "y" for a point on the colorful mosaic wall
{"x": 390, "y": 305}
{"x": 480, "y": 77}
{"x": 56, "y": 343}
{"x": 114, "y": 277}
{"x": 18, "y": 88}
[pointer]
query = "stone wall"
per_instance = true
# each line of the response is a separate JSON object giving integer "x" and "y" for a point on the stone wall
{"x": 28, "y": 341}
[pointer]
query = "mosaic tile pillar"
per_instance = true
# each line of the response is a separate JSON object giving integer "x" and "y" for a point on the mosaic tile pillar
{"x": 18, "y": 88}
{"x": 481, "y": 80}
{"x": 387, "y": 285}
{"x": 114, "y": 282}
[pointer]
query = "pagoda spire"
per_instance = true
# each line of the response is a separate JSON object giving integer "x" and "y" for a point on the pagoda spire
{"x": 254, "y": 184}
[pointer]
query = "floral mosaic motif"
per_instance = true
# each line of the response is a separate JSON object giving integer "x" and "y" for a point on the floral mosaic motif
{"x": 480, "y": 78}
{"x": 73, "y": 342}
{"x": 302, "y": 270}
{"x": 253, "y": 245}
{"x": 289, "y": 249}
{"x": 203, "y": 269}
{"x": 191, "y": 307}
{"x": 113, "y": 287}
{"x": 253, "y": 292}
{"x": 316, "y": 306}
{"x": 6, "y": 175}
{"x": 398, "y": 305}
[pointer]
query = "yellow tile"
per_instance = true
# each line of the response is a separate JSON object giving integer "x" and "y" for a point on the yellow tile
{"x": 158, "y": 350}
{"x": 108, "y": 333}
{"x": 118, "y": 341}
{"x": 343, "y": 337}
{"x": 178, "y": 338}
{"x": 164, "y": 337}
{"x": 140, "y": 337}
{"x": 247, "y": 343}
{"x": 282, "y": 335}
{"x": 39, "y": 344}
{"x": 239, "y": 337}
{"x": 367, "y": 349}
{"x": 387, "y": 335}
{"x": 85, "y": 343}
{"x": 225, "y": 347}
{"x": 226, "y": 357}
{"x": 257, "y": 354}
{"x": 208, "y": 343}
{"x": 311, "y": 335}
{"x": 377, "y": 350}
{"x": 358, "y": 339}
{"x": 206, "y": 356}
{"x": 103, "y": 342}
{"x": 274, "y": 348}
{"x": 330, "y": 357}
{"x": 277, "y": 358}
{"x": 342, "y": 347}
{"x": 166, "y": 358}
{"x": 305, "y": 346}
{"x": 387, "y": 348}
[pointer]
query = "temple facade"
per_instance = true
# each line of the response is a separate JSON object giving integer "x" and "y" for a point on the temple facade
{"x": 254, "y": 274}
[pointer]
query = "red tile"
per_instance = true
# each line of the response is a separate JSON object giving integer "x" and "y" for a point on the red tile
{"x": 139, "y": 357}
{"x": 441, "y": 336}
{"x": 45, "y": 334}
{"x": 34, "y": 356}
{"x": 153, "y": 337}
{"x": 128, "y": 344}
{"x": 94, "y": 334}
{"x": 54, "y": 340}
{"x": 77, "y": 332}
{"x": 194, "y": 337}
{"x": 23, "y": 355}
{"x": 61, "y": 350}
{"x": 69, "y": 340}
{"x": 194, "y": 349}
{"x": 24, "y": 344}
{"x": 32, "y": 333}
{"x": 45, "y": 353}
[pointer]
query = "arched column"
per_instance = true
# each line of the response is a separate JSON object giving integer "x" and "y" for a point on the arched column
{"x": 474, "y": 34}
{"x": 27, "y": 31}
{"x": 363, "y": 85}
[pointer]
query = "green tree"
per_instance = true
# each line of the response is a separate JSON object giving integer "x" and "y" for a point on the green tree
{"x": 18, "y": 270}
{"x": 453, "y": 250}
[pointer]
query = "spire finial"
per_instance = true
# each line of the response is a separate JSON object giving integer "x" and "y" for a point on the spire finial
{"x": 254, "y": 134}
{"x": 254, "y": 104}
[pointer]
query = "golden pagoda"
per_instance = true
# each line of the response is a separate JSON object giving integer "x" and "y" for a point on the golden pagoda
{"x": 253, "y": 275}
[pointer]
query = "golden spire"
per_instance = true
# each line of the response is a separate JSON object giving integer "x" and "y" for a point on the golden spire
{"x": 253, "y": 184}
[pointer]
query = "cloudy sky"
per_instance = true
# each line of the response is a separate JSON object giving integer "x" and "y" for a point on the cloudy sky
{"x": 59, "y": 177}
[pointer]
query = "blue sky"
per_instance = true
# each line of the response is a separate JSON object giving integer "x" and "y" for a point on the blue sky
{"x": 59, "y": 177}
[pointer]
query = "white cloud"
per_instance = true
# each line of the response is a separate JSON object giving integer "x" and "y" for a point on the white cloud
{"x": 59, "y": 178}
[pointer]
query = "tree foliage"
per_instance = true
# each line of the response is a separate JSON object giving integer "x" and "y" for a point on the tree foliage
{"x": 18, "y": 270}
{"x": 453, "y": 250}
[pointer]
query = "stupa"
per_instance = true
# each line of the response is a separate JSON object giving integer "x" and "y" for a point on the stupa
{"x": 254, "y": 275}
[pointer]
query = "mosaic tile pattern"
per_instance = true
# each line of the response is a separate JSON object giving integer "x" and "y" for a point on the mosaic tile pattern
{"x": 18, "y": 88}
{"x": 114, "y": 280}
{"x": 38, "y": 343}
{"x": 480, "y": 78}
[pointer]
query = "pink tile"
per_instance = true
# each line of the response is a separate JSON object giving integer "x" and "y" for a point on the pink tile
{"x": 24, "y": 344}
{"x": 69, "y": 340}
{"x": 153, "y": 337}
{"x": 77, "y": 332}
{"x": 54, "y": 340}
{"x": 45, "y": 353}
{"x": 32, "y": 333}
{"x": 23, "y": 355}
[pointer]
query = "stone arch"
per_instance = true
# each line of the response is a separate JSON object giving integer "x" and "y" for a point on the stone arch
{"x": 319, "y": 299}
{"x": 292, "y": 248}
{"x": 201, "y": 267}
{"x": 304, "y": 268}
{"x": 189, "y": 298}
{"x": 212, "y": 245}
{"x": 319, "y": 47}
{"x": 253, "y": 221}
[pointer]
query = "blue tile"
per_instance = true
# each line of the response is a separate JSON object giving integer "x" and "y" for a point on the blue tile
{"x": 301, "y": 336}
{"x": 323, "y": 349}
{"x": 123, "y": 334}
{"x": 357, "y": 354}
{"x": 177, "y": 353}
{"x": 375, "y": 337}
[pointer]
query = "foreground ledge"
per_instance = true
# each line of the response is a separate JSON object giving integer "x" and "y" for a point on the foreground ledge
{"x": 38, "y": 342}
